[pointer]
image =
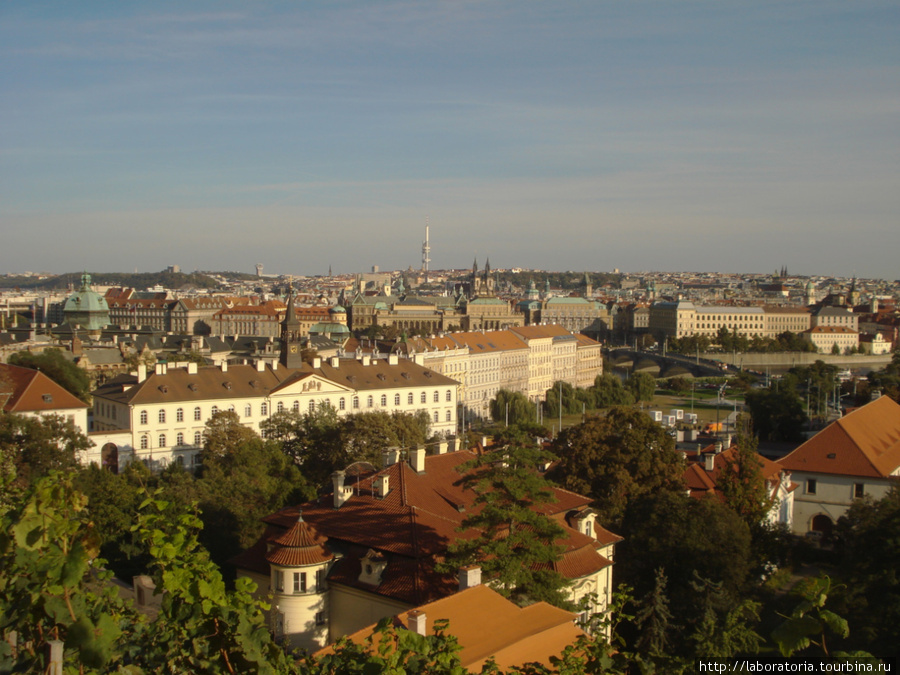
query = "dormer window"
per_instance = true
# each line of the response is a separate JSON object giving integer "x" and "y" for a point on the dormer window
{"x": 47, "y": 398}
{"x": 372, "y": 568}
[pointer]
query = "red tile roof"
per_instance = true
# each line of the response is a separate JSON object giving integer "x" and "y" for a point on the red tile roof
{"x": 27, "y": 390}
{"x": 865, "y": 443}
{"x": 414, "y": 524}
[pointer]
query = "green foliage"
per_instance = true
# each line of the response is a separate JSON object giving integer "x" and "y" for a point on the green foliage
{"x": 810, "y": 623}
{"x": 777, "y": 413}
{"x": 58, "y": 368}
{"x": 512, "y": 406}
{"x": 224, "y": 434}
{"x": 867, "y": 540}
{"x": 616, "y": 458}
{"x": 201, "y": 627}
{"x": 742, "y": 483}
{"x": 697, "y": 540}
{"x": 609, "y": 391}
{"x": 320, "y": 442}
{"x": 392, "y": 650}
{"x": 34, "y": 446}
{"x": 53, "y": 586}
{"x": 642, "y": 386}
{"x": 515, "y": 544}
{"x": 653, "y": 618}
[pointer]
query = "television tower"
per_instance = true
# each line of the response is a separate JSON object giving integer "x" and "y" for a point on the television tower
{"x": 426, "y": 252}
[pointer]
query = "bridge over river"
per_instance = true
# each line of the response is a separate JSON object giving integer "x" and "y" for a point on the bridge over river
{"x": 713, "y": 364}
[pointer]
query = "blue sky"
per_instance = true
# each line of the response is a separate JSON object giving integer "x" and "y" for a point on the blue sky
{"x": 714, "y": 136}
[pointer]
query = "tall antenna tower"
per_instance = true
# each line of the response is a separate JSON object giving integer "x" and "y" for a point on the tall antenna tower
{"x": 426, "y": 252}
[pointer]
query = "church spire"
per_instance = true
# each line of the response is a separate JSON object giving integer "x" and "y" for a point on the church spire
{"x": 291, "y": 347}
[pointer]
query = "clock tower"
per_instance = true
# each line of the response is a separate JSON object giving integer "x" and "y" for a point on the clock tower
{"x": 291, "y": 347}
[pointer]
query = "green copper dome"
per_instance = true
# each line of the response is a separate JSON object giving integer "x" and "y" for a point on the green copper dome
{"x": 86, "y": 308}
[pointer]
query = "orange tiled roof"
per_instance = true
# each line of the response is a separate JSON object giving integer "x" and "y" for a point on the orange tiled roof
{"x": 414, "y": 524}
{"x": 488, "y": 625}
{"x": 27, "y": 390}
{"x": 866, "y": 442}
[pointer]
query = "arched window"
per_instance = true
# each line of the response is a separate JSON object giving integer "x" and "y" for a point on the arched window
{"x": 162, "y": 440}
{"x": 264, "y": 409}
{"x": 370, "y": 402}
{"x": 449, "y": 396}
{"x": 231, "y": 408}
{"x": 248, "y": 410}
{"x": 179, "y": 439}
{"x": 180, "y": 460}
{"x": 409, "y": 398}
{"x": 198, "y": 438}
{"x": 448, "y": 415}
{"x": 383, "y": 400}
{"x": 435, "y": 416}
{"x": 342, "y": 404}
{"x": 143, "y": 417}
{"x": 162, "y": 416}
{"x": 197, "y": 414}
{"x": 423, "y": 398}
{"x": 145, "y": 442}
{"x": 296, "y": 406}
{"x": 437, "y": 397}
{"x": 355, "y": 402}
{"x": 179, "y": 415}
{"x": 312, "y": 406}
{"x": 396, "y": 399}
{"x": 280, "y": 406}
{"x": 215, "y": 409}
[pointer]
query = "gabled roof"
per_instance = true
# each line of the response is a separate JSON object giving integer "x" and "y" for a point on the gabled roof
{"x": 865, "y": 443}
{"x": 26, "y": 390}
{"x": 488, "y": 625}
{"x": 701, "y": 482}
{"x": 415, "y": 523}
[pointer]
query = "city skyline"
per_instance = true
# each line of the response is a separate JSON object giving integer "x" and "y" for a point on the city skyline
{"x": 718, "y": 137}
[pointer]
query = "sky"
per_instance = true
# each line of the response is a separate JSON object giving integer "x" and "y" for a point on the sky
{"x": 716, "y": 136}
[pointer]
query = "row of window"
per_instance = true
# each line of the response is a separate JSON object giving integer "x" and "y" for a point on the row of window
{"x": 264, "y": 407}
{"x": 161, "y": 440}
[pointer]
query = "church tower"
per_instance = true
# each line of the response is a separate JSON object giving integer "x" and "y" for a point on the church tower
{"x": 588, "y": 286}
{"x": 291, "y": 347}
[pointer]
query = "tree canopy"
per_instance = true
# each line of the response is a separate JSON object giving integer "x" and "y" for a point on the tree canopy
{"x": 615, "y": 458}
{"x": 516, "y": 544}
{"x": 58, "y": 368}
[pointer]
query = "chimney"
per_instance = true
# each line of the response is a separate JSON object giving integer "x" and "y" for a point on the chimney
{"x": 260, "y": 366}
{"x": 416, "y": 621}
{"x": 417, "y": 459}
{"x": 718, "y": 447}
{"x": 142, "y": 372}
{"x": 381, "y": 485}
{"x": 390, "y": 457}
{"x": 335, "y": 362}
{"x": 160, "y": 368}
{"x": 341, "y": 493}
{"x": 192, "y": 368}
{"x": 710, "y": 461}
{"x": 441, "y": 447}
{"x": 393, "y": 359}
{"x": 317, "y": 362}
{"x": 419, "y": 359}
{"x": 224, "y": 366}
{"x": 469, "y": 577}
{"x": 727, "y": 443}
{"x": 485, "y": 440}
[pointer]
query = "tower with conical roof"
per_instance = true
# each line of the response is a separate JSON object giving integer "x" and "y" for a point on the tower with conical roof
{"x": 299, "y": 561}
{"x": 291, "y": 344}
